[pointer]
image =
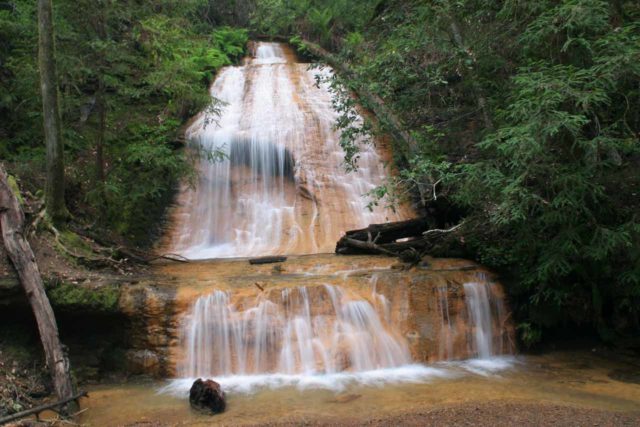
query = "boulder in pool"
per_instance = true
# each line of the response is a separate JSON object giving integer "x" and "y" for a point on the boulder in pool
{"x": 207, "y": 396}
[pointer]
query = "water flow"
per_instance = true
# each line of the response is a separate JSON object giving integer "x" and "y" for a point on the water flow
{"x": 485, "y": 315}
{"x": 307, "y": 331}
{"x": 282, "y": 187}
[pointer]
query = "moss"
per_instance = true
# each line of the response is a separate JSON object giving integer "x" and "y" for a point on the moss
{"x": 79, "y": 298}
{"x": 75, "y": 243}
{"x": 13, "y": 185}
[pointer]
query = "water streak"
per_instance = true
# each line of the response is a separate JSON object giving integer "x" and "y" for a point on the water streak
{"x": 485, "y": 314}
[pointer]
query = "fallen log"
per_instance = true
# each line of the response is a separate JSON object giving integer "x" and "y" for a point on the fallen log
{"x": 405, "y": 239}
{"x": 390, "y": 231}
{"x": 38, "y": 409}
{"x": 391, "y": 238}
{"x": 24, "y": 261}
{"x": 267, "y": 260}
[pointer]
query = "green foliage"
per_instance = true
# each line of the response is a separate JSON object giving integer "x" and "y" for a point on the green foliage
{"x": 317, "y": 20}
{"x": 231, "y": 41}
{"x": 146, "y": 66}
{"x": 84, "y": 299}
{"x": 354, "y": 130}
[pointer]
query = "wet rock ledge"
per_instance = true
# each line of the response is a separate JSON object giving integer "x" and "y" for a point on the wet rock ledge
{"x": 109, "y": 326}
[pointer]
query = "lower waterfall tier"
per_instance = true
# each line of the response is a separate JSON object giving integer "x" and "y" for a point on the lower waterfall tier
{"x": 316, "y": 320}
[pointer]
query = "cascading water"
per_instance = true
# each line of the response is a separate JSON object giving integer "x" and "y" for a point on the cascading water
{"x": 326, "y": 335}
{"x": 282, "y": 187}
{"x": 321, "y": 330}
{"x": 477, "y": 296}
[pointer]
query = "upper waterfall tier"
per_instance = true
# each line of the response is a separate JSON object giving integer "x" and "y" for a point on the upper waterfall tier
{"x": 282, "y": 187}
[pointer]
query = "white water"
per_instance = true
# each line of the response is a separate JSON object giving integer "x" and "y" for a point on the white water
{"x": 326, "y": 337}
{"x": 283, "y": 188}
{"x": 484, "y": 312}
{"x": 298, "y": 335}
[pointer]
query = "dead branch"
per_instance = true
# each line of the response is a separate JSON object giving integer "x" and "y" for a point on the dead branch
{"x": 169, "y": 256}
{"x": 55, "y": 406}
{"x": 439, "y": 231}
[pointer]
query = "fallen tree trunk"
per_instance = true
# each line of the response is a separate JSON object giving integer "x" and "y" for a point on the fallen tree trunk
{"x": 390, "y": 231}
{"x": 391, "y": 238}
{"x": 409, "y": 240}
{"x": 19, "y": 250}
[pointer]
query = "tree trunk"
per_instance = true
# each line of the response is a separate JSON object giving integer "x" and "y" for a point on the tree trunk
{"x": 19, "y": 250}
{"x": 383, "y": 238}
{"x": 54, "y": 189}
{"x": 391, "y": 231}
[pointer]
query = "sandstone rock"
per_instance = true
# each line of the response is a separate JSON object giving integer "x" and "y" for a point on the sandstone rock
{"x": 207, "y": 396}
{"x": 142, "y": 362}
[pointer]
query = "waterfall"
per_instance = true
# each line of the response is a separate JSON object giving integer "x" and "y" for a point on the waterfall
{"x": 485, "y": 314}
{"x": 322, "y": 330}
{"x": 282, "y": 187}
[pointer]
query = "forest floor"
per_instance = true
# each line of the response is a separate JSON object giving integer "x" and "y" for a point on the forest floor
{"x": 24, "y": 381}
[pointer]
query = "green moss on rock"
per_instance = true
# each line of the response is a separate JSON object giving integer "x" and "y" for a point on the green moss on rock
{"x": 13, "y": 185}
{"x": 79, "y": 298}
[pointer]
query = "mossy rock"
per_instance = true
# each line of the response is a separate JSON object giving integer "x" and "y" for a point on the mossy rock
{"x": 78, "y": 298}
{"x": 13, "y": 185}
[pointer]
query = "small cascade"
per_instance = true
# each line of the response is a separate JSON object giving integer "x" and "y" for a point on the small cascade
{"x": 487, "y": 322}
{"x": 318, "y": 330}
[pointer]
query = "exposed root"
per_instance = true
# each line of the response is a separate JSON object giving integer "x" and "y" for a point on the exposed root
{"x": 90, "y": 260}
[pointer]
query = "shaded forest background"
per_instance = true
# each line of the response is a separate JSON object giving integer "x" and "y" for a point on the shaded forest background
{"x": 525, "y": 118}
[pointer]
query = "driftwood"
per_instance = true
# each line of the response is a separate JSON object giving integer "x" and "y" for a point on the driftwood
{"x": 267, "y": 260}
{"x": 38, "y": 409}
{"x": 408, "y": 240}
{"x": 19, "y": 250}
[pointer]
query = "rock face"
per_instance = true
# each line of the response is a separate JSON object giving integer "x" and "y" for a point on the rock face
{"x": 207, "y": 396}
